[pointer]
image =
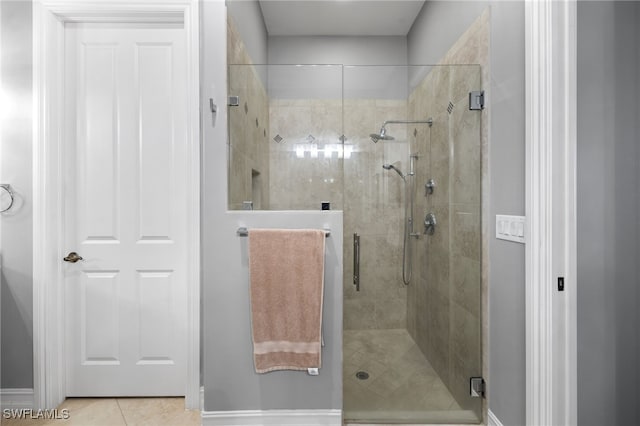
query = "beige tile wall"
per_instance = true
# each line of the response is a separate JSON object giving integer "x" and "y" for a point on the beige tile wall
{"x": 370, "y": 196}
{"x": 300, "y": 181}
{"x": 372, "y": 200}
{"x": 374, "y": 209}
{"x": 444, "y": 304}
{"x": 249, "y": 178}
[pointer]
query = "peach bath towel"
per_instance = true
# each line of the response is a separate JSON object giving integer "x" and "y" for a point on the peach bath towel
{"x": 287, "y": 278}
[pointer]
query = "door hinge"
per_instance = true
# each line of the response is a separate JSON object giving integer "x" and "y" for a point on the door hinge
{"x": 476, "y": 100}
{"x": 476, "y": 387}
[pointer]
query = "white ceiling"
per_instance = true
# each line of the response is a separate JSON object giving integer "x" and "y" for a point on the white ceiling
{"x": 340, "y": 17}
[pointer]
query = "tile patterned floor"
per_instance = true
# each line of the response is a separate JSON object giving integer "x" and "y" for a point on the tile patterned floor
{"x": 402, "y": 386}
{"x": 118, "y": 412}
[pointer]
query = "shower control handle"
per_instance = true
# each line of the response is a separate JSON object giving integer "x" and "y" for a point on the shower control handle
{"x": 430, "y": 223}
{"x": 429, "y": 186}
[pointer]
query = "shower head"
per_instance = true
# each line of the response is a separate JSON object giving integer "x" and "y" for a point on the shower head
{"x": 392, "y": 167}
{"x": 383, "y": 131}
{"x": 375, "y": 137}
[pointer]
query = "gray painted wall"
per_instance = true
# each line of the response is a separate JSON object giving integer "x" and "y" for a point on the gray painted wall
{"x": 608, "y": 213}
{"x": 230, "y": 382}
{"x": 507, "y": 196}
{"x": 249, "y": 22}
{"x": 285, "y": 82}
{"x": 440, "y": 23}
{"x": 385, "y": 50}
{"x": 438, "y": 26}
{"x": 16, "y": 287}
{"x": 360, "y": 83}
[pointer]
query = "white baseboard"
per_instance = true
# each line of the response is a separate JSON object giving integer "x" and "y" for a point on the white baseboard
{"x": 16, "y": 398}
{"x": 492, "y": 420}
{"x": 272, "y": 417}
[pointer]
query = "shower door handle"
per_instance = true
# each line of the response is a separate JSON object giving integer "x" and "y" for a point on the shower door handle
{"x": 356, "y": 261}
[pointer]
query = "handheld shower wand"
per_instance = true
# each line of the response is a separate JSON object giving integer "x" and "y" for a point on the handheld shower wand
{"x": 407, "y": 258}
{"x": 392, "y": 167}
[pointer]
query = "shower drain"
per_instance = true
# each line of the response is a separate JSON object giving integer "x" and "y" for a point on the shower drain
{"x": 362, "y": 375}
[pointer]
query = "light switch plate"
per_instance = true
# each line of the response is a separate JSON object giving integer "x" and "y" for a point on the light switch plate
{"x": 510, "y": 228}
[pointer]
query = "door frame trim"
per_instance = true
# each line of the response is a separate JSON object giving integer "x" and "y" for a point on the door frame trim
{"x": 551, "y": 137}
{"x": 49, "y": 17}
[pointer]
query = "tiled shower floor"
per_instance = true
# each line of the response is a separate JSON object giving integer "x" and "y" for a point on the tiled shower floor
{"x": 402, "y": 386}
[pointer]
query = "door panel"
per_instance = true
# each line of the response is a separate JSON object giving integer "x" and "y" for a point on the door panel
{"x": 99, "y": 325}
{"x": 125, "y": 211}
{"x": 154, "y": 301}
{"x": 98, "y": 123}
{"x": 154, "y": 88}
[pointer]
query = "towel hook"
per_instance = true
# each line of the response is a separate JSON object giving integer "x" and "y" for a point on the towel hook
{"x": 9, "y": 191}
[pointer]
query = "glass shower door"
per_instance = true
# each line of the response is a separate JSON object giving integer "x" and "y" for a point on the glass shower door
{"x": 410, "y": 350}
{"x": 285, "y": 145}
{"x": 447, "y": 302}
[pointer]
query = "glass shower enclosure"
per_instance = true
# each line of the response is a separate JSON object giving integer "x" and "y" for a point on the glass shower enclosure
{"x": 303, "y": 137}
{"x": 411, "y": 349}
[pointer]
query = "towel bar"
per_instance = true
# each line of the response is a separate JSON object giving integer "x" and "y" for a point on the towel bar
{"x": 244, "y": 232}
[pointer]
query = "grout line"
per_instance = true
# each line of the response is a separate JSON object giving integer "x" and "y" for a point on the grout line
{"x": 121, "y": 412}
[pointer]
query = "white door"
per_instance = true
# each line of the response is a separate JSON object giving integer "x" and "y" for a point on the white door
{"x": 125, "y": 210}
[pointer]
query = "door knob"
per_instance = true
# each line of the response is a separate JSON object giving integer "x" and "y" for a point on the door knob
{"x": 72, "y": 257}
